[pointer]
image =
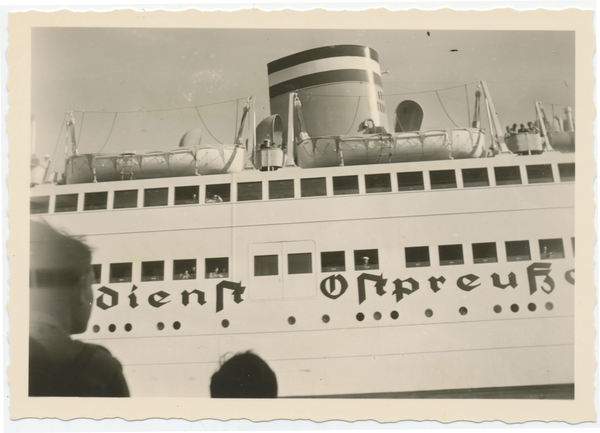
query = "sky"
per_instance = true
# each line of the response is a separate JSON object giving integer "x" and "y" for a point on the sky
{"x": 153, "y": 78}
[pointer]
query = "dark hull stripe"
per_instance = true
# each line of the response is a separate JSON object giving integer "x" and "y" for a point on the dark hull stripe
{"x": 327, "y": 77}
{"x": 322, "y": 53}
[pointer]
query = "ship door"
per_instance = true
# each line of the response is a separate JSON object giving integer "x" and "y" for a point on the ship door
{"x": 282, "y": 270}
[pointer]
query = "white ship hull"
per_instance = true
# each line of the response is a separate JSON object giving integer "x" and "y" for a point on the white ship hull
{"x": 444, "y": 336}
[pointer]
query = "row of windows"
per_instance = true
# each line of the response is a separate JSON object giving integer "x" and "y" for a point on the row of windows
{"x": 311, "y": 187}
{"x": 335, "y": 261}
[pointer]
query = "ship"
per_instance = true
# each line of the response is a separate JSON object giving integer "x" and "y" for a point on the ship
{"x": 358, "y": 260}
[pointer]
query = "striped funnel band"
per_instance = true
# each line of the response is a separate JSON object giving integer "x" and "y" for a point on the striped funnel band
{"x": 326, "y": 65}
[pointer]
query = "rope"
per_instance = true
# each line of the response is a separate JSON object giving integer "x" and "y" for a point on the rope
{"x": 161, "y": 109}
{"x": 110, "y": 132}
{"x": 427, "y": 91}
{"x": 355, "y": 115}
{"x": 399, "y": 124}
{"x": 80, "y": 129}
{"x": 445, "y": 111}
{"x": 237, "y": 109}
{"x": 468, "y": 109}
{"x": 204, "y": 123}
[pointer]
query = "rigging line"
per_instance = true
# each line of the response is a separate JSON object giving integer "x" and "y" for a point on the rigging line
{"x": 355, "y": 115}
{"x": 159, "y": 109}
{"x": 237, "y": 110}
{"x": 110, "y": 132}
{"x": 445, "y": 111}
{"x": 80, "y": 128}
{"x": 468, "y": 108}
{"x": 204, "y": 123}
{"x": 427, "y": 91}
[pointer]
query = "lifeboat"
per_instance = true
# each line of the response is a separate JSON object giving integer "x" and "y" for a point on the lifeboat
{"x": 388, "y": 148}
{"x": 202, "y": 160}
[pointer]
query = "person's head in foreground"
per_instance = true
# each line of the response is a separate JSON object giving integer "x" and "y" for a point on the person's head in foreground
{"x": 245, "y": 375}
{"x": 60, "y": 277}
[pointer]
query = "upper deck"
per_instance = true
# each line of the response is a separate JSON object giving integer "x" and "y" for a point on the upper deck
{"x": 421, "y": 184}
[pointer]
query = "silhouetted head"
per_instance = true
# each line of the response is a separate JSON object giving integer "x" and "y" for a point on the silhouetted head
{"x": 60, "y": 276}
{"x": 245, "y": 375}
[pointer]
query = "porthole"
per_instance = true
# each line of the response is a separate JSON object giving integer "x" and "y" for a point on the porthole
{"x": 377, "y": 315}
{"x": 96, "y": 329}
{"x": 360, "y": 317}
{"x": 394, "y": 315}
{"x": 325, "y": 318}
{"x": 291, "y": 320}
{"x": 225, "y": 323}
{"x": 497, "y": 309}
{"x": 428, "y": 312}
{"x": 532, "y": 307}
{"x": 112, "y": 327}
{"x": 514, "y": 308}
{"x": 160, "y": 326}
{"x": 463, "y": 311}
{"x": 176, "y": 325}
{"x": 549, "y": 306}
{"x": 128, "y": 327}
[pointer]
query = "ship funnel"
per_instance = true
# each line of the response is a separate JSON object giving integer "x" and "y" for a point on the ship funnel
{"x": 339, "y": 87}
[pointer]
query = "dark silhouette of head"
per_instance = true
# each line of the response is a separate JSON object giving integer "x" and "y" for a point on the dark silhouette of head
{"x": 60, "y": 277}
{"x": 245, "y": 375}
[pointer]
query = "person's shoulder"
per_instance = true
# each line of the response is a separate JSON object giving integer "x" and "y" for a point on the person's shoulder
{"x": 99, "y": 354}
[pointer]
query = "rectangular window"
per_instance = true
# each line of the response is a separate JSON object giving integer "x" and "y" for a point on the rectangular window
{"x": 265, "y": 265}
{"x": 249, "y": 191}
{"x": 153, "y": 271}
{"x": 451, "y": 255}
{"x": 540, "y": 173}
{"x": 39, "y": 204}
{"x": 184, "y": 269}
{"x": 217, "y": 267}
{"x": 281, "y": 189}
{"x": 187, "y": 194}
{"x": 300, "y": 263}
{"x": 517, "y": 251}
{"x": 125, "y": 199}
{"x": 156, "y": 197}
{"x": 345, "y": 185}
{"x": 551, "y": 249}
{"x": 66, "y": 203}
{"x": 485, "y": 253}
{"x": 366, "y": 259}
{"x": 378, "y": 183}
{"x": 567, "y": 172}
{"x": 473, "y": 177}
{"x": 333, "y": 261}
{"x": 417, "y": 257}
{"x": 97, "y": 273}
{"x": 120, "y": 273}
{"x": 218, "y": 193}
{"x": 95, "y": 200}
{"x": 508, "y": 175}
{"x": 411, "y": 181}
{"x": 441, "y": 179}
{"x": 314, "y": 187}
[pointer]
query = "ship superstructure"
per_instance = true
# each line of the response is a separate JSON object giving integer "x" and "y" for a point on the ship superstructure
{"x": 356, "y": 260}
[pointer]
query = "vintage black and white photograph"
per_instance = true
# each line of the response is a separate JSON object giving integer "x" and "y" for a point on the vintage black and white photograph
{"x": 302, "y": 213}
